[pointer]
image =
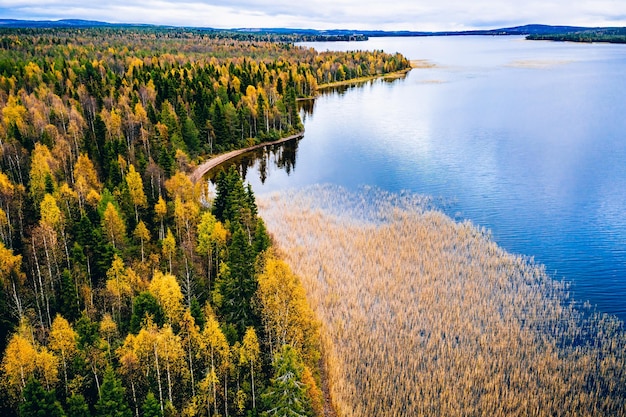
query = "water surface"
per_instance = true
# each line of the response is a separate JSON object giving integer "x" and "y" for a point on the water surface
{"x": 525, "y": 138}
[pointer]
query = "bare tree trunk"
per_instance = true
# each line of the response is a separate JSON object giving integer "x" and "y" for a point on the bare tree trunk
{"x": 252, "y": 377}
{"x": 156, "y": 360}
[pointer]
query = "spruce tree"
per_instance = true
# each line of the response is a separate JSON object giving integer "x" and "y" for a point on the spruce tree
{"x": 287, "y": 396}
{"x": 151, "y": 407}
{"x": 112, "y": 402}
{"x": 38, "y": 402}
{"x": 77, "y": 406}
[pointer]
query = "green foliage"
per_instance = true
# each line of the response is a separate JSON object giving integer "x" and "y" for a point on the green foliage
{"x": 88, "y": 331}
{"x": 145, "y": 304}
{"x": 69, "y": 303}
{"x": 608, "y": 35}
{"x": 238, "y": 285}
{"x": 287, "y": 395}
{"x": 112, "y": 402}
{"x": 38, "y": 402}
{"x": 151, "y": 407}
{"x": 262, "y": 239}
{"x": 77, "y": 406}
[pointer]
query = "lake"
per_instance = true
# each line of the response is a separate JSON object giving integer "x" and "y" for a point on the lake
{"x": 525, "y": 138}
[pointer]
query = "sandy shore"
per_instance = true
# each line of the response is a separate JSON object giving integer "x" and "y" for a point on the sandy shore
{"x": 220, "y": 159}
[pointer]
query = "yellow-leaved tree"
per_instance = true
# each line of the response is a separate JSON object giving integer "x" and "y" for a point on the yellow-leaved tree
{"x": 160, "y": 209}
{"x": 250, "y": 355}
{"x": 286, "y": 315}
{"x": 166, "y": 290}
{"x": 118, "y": 286}
{"x": 19, "y": 363}
{"x": 11, "y": 276}
{"x": 169, "y": 246}
{"x": 63, "y": 341}
{"x": 41, "y": 172}
{"x": 142, "y": 233}
{"x": 113, "y": 225}
{"x": 216, "y": 353}
{"x": 25, "y": 358}
{"x": 135, "y": 189}
{"x": 85, "y": 180}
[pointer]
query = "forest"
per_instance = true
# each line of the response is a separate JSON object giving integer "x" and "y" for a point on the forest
{"x": 127, "y": 289}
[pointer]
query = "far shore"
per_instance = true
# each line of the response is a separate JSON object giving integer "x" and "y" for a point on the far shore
{"x": 208, "y": 165}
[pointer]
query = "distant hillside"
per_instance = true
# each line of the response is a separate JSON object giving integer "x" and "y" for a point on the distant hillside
{"x": 78, "y": 23}
{"x": 534, "y": 31}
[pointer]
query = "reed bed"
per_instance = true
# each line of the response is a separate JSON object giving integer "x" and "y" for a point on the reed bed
{"x": 424, "y": 316}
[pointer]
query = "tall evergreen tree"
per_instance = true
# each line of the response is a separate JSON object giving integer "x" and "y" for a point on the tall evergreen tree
{"x": 38, "y": 402}
{"x": 287, "y": 396}
{"x": 77, "y": 406}
{"x": 237, "y": 285}
{"x": 112, "y": 402}
{"x": 151, "y": 407}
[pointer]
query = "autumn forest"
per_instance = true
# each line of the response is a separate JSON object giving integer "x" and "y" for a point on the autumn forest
{"x": 127, "y": 290}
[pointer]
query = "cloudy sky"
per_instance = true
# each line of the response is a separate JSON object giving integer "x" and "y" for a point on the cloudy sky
{"x": 328, "y": 14}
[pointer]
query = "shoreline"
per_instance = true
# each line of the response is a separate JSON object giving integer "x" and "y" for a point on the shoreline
{"x": 389, "y": 76}
{"x": 213, "y": 162}
{"x": 217, "y": 160}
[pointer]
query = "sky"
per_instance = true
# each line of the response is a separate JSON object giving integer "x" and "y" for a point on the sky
{"x": 417, "y": 15}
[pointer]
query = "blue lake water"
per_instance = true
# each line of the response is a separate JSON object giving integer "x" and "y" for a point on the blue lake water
{"x": 525, "y": 138}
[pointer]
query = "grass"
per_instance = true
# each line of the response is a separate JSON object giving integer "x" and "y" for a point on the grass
{"x": 422, "y": 316}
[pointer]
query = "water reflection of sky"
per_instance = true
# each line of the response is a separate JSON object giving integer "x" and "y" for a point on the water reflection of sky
{"x": 525, "y": 138}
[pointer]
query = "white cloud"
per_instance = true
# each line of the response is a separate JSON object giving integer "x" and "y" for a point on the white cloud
{"x": 328, "y": 14}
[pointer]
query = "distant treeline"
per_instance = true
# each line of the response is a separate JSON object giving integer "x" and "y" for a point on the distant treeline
{"x": 608, "y": 35}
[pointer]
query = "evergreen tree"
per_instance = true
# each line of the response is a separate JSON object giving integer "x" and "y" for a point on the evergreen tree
{"x": 38, "y": 402}
{"x": 151, "y": 406}
{"x": 190, "y": 136}
{"x": 145, "y": 304}
{"x": 237, "y": 285}
{"x": 112, "y": 402}
{"x": 287, "y": 396}
{"x": 69, "y": 306}
{"x": 77, "y": 406}
{"x": 261, "y": 238}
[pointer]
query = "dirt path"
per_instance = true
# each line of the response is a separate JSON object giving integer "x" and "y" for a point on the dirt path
{"x": 220, "y": 159}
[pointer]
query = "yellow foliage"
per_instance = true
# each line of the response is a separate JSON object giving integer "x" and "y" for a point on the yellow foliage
{"x": 10, "y": 266}
{"x": 50, "y": 213}
{"x": 135, "y": 187}
{"x": 19, "y": 362}
{"x": 160, "y": 209}
{"x": 180, "y": 186}
{"x": 41, "y": 167}
{"x": 285, "y": 312}
{"x": 108, "y": 327}
{"x": 166, "y": 290}
{"x": 63, "y": 338}
{"x": 14, "y": 113}
{"x": 113, "y": 225}
{"x": 141, "y": 232}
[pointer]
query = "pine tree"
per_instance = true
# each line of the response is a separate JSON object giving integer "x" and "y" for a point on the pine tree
{"x": 112, "y": 402}
{"x": 145, "y": 304}
{"x": 287, "y": 396}
{"x": 38, "y": 402}
{"x": 77, "y": 406}
{"x": 237, "y": 285}
{"x": 151, "y": 407}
